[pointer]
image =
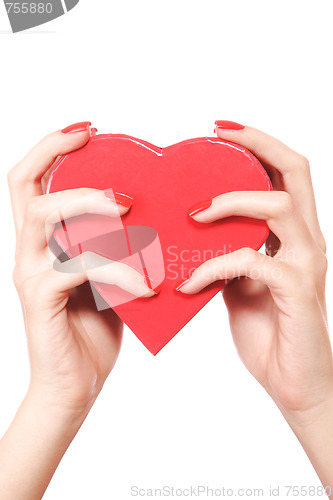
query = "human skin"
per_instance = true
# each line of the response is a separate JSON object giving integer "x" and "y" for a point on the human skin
{"x": 277, "y": 317}
{"x": 72, "y": 346}
{"x": 276, "y": 302}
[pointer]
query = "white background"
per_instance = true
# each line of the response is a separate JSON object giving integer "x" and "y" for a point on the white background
{"x": 164, "y": 72}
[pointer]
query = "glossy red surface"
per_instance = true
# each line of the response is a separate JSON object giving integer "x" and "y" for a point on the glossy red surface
{"x": 229, "y": 125}
{"x": 164, "y": 183}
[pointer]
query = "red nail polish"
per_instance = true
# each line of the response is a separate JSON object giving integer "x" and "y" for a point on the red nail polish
{"x": 157, "y": 289}
{"x": 225, "y": 124}
{"x": 123, "y": 199}
{"x": 181, "y": 284}
{"x": 93, "y": 131}
{"x": 199, "y": 207}
{"x": 76, "y": 127}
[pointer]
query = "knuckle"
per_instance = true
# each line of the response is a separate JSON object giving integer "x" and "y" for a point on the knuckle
{"x": 16, "y": 175}
{"x": 89, "y": 197}
{"x": 299, "y": 164}
{"x": 286, "y": 204}
{"x": 303, "y": 163}
{"x": 12, "y": 177}
{"x": 248, "y": 254}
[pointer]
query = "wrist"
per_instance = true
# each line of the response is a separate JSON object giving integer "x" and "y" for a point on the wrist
{"x": 68, "y": 418}
{"x": 33, "y": 446}
{"x": 63, "y": 397}
{"x": 311, "y": 416}
{"x": 313, "y": 429}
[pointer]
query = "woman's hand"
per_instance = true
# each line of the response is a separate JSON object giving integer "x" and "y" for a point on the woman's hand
{"x": 72, "y": 346}
{"x": 276, "y": 302}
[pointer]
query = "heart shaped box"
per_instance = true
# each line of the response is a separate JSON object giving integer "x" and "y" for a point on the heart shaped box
{"x": 157, "y": 237}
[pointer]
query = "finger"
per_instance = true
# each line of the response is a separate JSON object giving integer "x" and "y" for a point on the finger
{"x": 25, "y": 178}
{"x": 276, "y": 207}
{"x": 46, "y": 176}
{"x": 93, "y": 267}
{"x": 293, "y": 167}
{"x": 53, "y": 285}
{"x": 43, "y": 212}
{"x": 243, "y": 262}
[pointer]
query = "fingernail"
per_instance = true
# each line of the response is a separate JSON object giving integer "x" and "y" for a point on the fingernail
{"x": 182, "y": 284}
{"x": 123, "y": 199}
{"x": 157, "y": 289}
{"x": 119, "y": 198}
{"x": 76, "y": 127}
{"x": 153, "y": 291}
{"x": 199, "y": 207}
{"x": 227, "y": 125}
{"x": 93, "y": 131}
{"x": 149, "y": 294}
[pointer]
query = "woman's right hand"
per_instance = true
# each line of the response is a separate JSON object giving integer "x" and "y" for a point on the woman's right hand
{"x": 72, "y": 346}
{"x": 276, "y": 302}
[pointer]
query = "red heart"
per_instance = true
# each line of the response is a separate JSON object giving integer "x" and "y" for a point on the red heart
{"x": 164, "y": 184}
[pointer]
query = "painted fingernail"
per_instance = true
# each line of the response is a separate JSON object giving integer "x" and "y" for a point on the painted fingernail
{"x": 153, "y": 292}
{"x": 182, "y": 284}
{"x": 121, "y": 199}
{"x": 199, "y": 207}
{"x": 93, "y": 131}
{"x": 228, "y": 125}
{"x": 157, "y": 289}
{"x": 76, "y": 127}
